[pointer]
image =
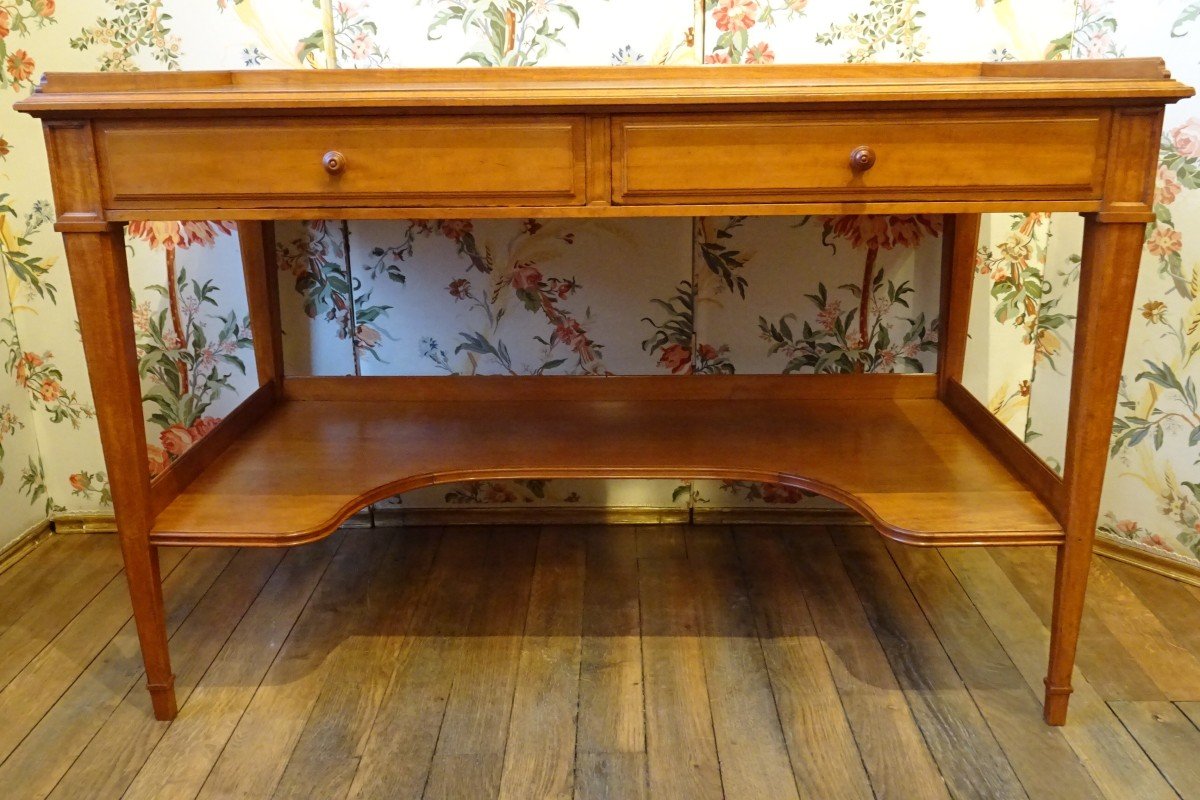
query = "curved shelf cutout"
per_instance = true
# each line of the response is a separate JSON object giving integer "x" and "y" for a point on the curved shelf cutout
{"x": 907, "y": 465}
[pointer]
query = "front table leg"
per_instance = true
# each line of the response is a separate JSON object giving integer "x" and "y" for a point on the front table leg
{"x": 1108, "y": 277}
{"x": 100, "y": 279}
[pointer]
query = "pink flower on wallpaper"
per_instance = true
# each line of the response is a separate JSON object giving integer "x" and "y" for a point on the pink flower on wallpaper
{"x": 760, "y": 54}
{"x": 1166, "y": 189}
{"x": 361, "y": 47}
{"x": 158, "y": 458}
{"x": 1186, "y": 138}
{"x": 1164, "y": 241}
{"x": 366, "y": 337}
{"x": 1099, "y": 45}
{"x": 881, "y": 231}
{"x": 525, "y": 276}
{"x": 19, "y": 66}
{"x": 563, "y": 289}
{"x": 718, "y": 58}
{"x": 572, "y": 334}
{"x": 459, "y": 289}
{"x": 177, "y": 440}
{"x": 50, "y": 391}
{"x": 1157, "y": 542}
{"x": 5, "y": 23}
{"x": 1127, "y": 527}
{"x": 780, "y": 493}
{"x": 735, "y": 15}
{"x": 676, "y": 358}
{"x": 178, "y": 235}
{"x": 828, "y": 316}
{"x": 456, "y": 229}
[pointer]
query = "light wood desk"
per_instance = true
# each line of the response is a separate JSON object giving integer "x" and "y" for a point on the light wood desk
{"x": 917, "y": 455}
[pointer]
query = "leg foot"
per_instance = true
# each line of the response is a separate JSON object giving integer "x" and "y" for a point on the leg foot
{"x": 1055, "y": 709}
{"x": 162, "y": 697}
{"x": 145, "y": 590}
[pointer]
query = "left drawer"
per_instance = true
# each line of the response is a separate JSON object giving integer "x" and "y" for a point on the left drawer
{"x": 409, "y": 161}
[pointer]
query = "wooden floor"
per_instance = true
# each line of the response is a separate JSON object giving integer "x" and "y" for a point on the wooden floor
{"x": 619, "y": 662}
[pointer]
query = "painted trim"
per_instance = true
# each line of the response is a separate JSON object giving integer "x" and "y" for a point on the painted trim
{"x": 1159, "y": 563}
{"x": 85, "y": 523}
{"x": 25, "y": 543}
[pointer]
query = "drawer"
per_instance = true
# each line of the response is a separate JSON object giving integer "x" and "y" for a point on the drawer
{"x": 786, "y": 157}
{"x": 427, "y": 161}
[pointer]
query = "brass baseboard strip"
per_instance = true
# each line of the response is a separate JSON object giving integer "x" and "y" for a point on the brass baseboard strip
{"x": 1147, "y": 559}
{"x": 25, "y": 543}
{"x": 85, "y": 523}
{"x": 529, "y": 515}
{"x": 1159, "y": 563}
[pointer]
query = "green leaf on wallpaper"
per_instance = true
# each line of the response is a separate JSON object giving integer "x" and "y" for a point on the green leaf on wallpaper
{"x": 1189, "y": 14}
{"x": 237, "y": 362}
{"x": 1194, "y": 487}
{"x": 1058, "y": 47}
{"x": 479, "y": 58}
{"x": 1194, "y": 437}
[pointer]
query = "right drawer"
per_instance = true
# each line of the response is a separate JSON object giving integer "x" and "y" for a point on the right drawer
{"x": 794, "y": 158}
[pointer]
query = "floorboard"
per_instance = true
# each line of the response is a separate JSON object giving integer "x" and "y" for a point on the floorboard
{"x": 750, "y": 742}
{"x": 115, "y": 755}
{"x": 1040, "y": 755}
{"x": 824, "y": 755}
{"x": 593, "y": 662}
{"x": 1113, "y": 758}
{"x": 41, "y": 685}
{"x": 894, "y": 752}
{"x": 540, "y": 751}
{"x": 962, "y": 743}
{"x": 399, "y": 749}
{"x": 185, "y": 755}
{"x": 681, "y": 748}
{"x": 77, "y": 581}
{"x": 1169, "y": 738}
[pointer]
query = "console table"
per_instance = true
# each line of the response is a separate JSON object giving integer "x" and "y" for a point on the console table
{"x": 917, "y": 455}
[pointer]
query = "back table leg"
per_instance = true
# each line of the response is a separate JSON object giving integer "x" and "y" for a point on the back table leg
{"x": 1108, "y": 278}
{"x": 100, "y": 279}
{"x": 959, "y": 244}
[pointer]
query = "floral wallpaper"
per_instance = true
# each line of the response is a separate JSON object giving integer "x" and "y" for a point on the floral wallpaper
{"x": 543, "y": 296}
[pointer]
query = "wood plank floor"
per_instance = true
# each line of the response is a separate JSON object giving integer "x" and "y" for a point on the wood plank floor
{"x": 594, "y": 662}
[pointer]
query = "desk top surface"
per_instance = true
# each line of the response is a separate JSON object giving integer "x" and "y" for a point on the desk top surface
{"x": 1113, "y": 81}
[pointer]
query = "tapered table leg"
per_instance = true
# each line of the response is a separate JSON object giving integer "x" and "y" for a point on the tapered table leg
{"x": 1108, "y": 277}
{"x": 100, "y": 279}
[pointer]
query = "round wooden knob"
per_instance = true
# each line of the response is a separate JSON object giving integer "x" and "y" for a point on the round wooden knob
{"x": 862, "y": 158}
{"x": 334, "y": 162}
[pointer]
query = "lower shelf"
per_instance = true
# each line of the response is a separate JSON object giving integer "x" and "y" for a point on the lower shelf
{"x": 908, "y": 465}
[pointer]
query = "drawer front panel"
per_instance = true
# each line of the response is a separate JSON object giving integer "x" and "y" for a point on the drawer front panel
{"x": 793, "y": 158}
{"x": 440, "y": 161}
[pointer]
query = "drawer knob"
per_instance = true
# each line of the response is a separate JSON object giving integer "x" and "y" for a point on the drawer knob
{"x": 862, "y": 158}
{"x": 334, "y": 162}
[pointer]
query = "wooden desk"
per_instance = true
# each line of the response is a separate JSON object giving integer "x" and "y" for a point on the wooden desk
{"x": 920, "y": 457}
